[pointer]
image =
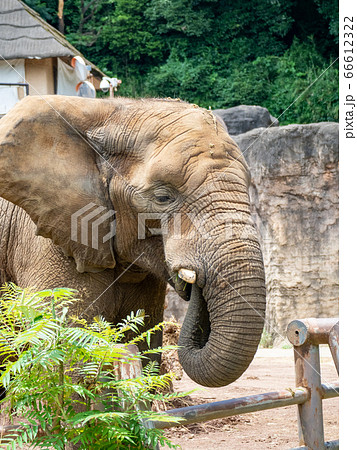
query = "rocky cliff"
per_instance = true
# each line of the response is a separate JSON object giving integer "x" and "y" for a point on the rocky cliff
{"x": 294, "y": 196}
{"x": 243, "y": 118}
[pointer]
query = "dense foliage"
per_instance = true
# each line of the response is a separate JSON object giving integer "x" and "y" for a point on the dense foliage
{"x": 58, "y": 375}
{"x": 217, "y": 53}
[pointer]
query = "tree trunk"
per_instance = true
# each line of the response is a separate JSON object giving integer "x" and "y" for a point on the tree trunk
{"x": 60, "y": 16}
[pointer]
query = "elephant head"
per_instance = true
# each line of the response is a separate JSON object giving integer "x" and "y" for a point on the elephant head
{"x": 178, "y": 185}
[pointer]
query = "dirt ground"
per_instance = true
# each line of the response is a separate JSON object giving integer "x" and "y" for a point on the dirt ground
{"x": 271, "y": 370}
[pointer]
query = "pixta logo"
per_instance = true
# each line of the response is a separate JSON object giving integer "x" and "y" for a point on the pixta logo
{"x": 86, "y": 222}
{"x": 232, "y": 225}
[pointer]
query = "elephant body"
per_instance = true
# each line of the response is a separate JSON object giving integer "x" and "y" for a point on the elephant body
{"x": 177, "y": 186}
{"x": 34, "y": 261}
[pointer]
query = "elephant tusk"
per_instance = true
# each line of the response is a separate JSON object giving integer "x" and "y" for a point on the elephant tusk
{"x": 187, "y": 275}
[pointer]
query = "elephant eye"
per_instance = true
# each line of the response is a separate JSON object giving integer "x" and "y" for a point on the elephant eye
{"x": 162, "y": 194}
{"x": 164, "y": 198}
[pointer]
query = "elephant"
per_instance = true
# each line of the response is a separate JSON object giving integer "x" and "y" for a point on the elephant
{"x": 117, "y": 197}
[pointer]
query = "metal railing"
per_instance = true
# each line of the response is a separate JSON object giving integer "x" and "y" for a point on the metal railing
{"x": 306, "y": 335}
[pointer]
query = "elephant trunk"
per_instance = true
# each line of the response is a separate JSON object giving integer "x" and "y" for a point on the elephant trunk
{"x": 224, "y": 321}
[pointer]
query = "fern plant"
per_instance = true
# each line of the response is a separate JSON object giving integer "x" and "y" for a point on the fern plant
{"x": 57, "y": 372}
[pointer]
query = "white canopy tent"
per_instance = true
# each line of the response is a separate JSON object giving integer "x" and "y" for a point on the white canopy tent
{"x": 12, "y": 71}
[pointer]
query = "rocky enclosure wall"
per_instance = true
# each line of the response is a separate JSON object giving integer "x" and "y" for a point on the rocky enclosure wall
{"x": 243, "y": 118}
{"x": 294, "y": 196}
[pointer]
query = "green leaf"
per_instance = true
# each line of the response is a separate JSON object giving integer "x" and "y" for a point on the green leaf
{"x": 54, "y": 361}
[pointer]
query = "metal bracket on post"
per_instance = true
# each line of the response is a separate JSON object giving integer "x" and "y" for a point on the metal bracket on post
{"x": 333, "y": 343}
{"x": 306, "y": 335}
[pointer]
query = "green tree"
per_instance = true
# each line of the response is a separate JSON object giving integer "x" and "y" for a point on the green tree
{"x": 216, "y": 53}
{"x": 84, "y": 21}
{"x": 303, "y": 82}
{"x": 46, "y": 8}
{"x": 131, "y": 43}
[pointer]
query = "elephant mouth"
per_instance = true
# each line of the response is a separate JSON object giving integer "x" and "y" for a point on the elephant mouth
{"x": 182, "y": 288}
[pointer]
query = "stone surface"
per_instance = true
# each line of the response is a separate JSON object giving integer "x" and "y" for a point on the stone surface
{"x": 243, "y": 118}
{"x": 294, "y": 196}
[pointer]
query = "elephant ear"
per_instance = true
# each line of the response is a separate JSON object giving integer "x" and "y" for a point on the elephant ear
{"x": 48, "y": 168}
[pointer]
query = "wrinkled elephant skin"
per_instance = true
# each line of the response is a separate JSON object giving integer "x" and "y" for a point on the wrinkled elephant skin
{"x": 116, "y": 198}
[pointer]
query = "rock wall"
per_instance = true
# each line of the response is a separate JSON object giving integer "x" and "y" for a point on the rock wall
{"x": 294, "y": 196}
{"x": 243, "y": 118}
